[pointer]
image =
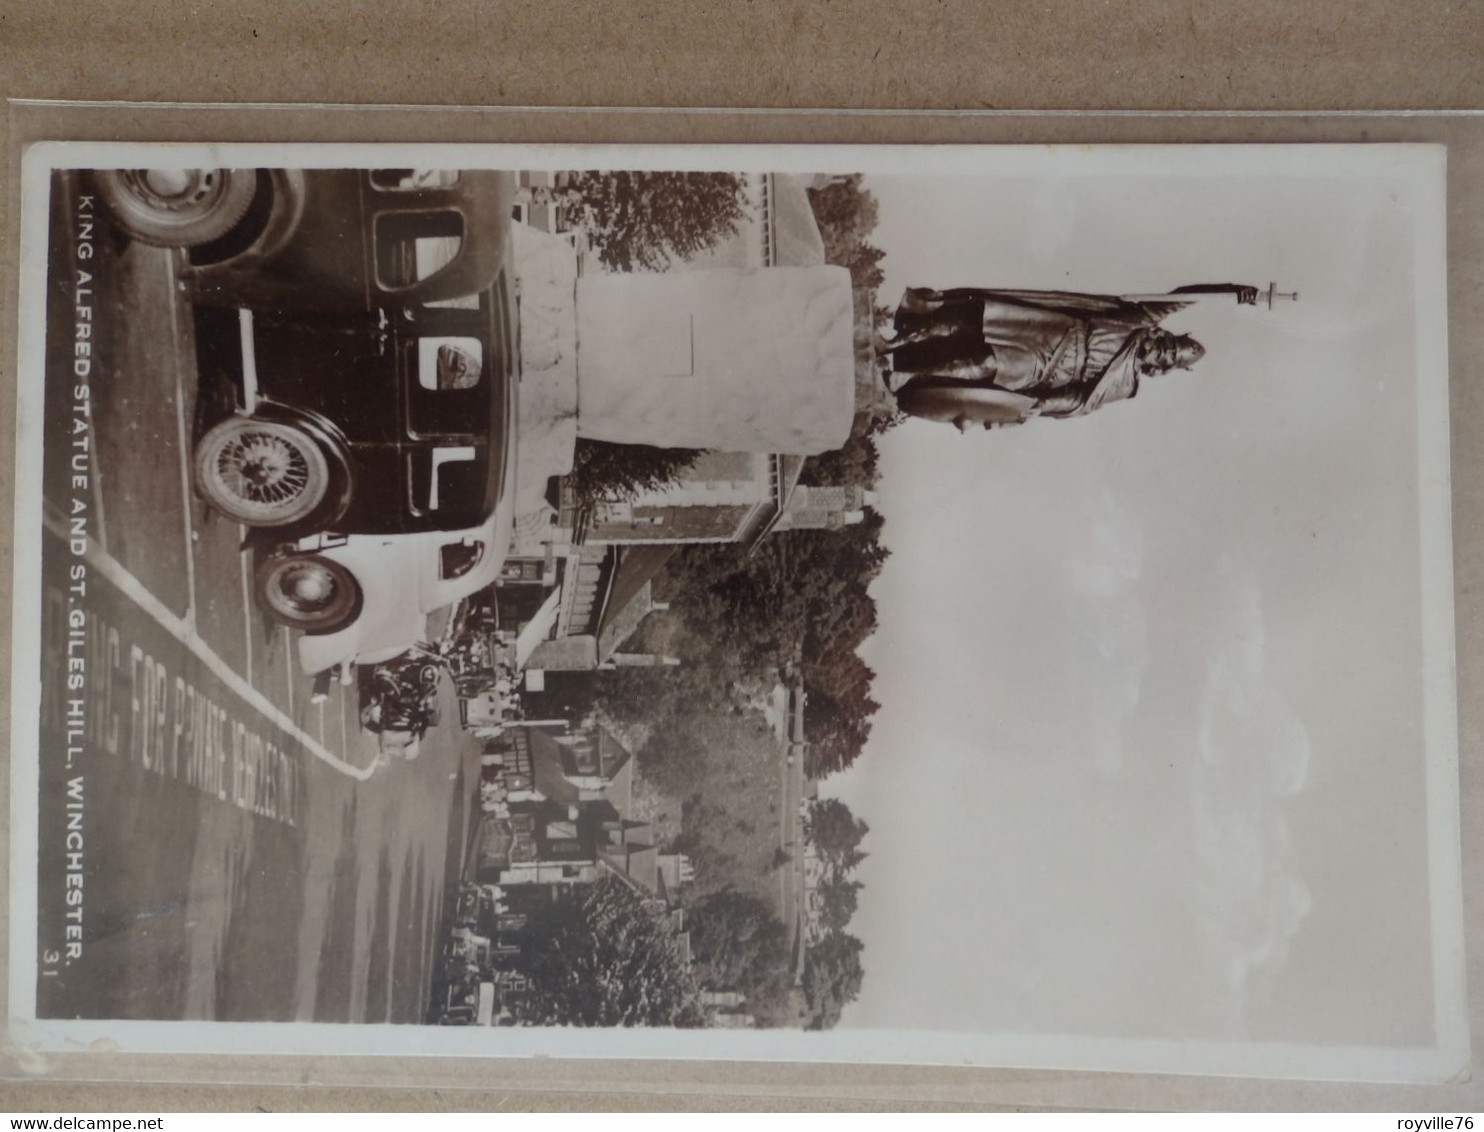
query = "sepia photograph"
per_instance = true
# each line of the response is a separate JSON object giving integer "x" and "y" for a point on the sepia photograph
{"x": 948, "y": 605}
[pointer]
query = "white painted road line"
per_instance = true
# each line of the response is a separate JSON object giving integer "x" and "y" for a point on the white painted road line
{"x": 289, "y": 669}
{"x": 249, "y": 361}
{"x": 135, "y": 591}
{"x": 247, "y": 602}
{"x": 184, "y": 436}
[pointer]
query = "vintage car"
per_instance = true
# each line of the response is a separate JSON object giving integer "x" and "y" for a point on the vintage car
{"x": 399, "y": 701}
{"x": 365, "y": 320}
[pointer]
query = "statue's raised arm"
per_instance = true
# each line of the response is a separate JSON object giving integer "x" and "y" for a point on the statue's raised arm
{"x": 1036, "y": 353}
{"x": 1245, "y": 294}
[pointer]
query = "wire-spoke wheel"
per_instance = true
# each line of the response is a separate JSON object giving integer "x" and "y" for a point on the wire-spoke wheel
{"x": 261, "y": 473}
{"x": 307, "y": 592}
{"x": 177, "y": 208}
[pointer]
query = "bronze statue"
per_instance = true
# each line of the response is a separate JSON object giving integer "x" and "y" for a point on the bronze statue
{"x": 971, "y": 356}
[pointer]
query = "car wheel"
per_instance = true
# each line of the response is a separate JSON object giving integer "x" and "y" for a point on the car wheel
{"x": 261, "y": 473}
{"x": 177, "y": 208}
{"x": 308, "y": 592}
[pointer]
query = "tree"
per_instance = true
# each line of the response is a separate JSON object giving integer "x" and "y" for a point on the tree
{"x": 733, "y": 933}
{"x": 797, "y": 589}
{"x": 601, "y": 470}
{"x": 843, "y": 209}
{"x": 835, "y": 832}
{"x": 840, "y": 676}
{"x": 799, "y": 595}
{"x": 644, "y": 221}
{"x": 832, "y": 978}
{"x": 606, "y": 958}
{"x": 838, "y": 901}
{"x": 846, "y": 215}
{"x": 740, "y": 945}
{"x": 853, "y": 462}
{"x": 838, "y": 728}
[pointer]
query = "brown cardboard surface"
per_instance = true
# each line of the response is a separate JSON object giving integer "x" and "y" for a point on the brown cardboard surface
{"x": 1267, "y": 55}
{"x": 1260, "y": 54}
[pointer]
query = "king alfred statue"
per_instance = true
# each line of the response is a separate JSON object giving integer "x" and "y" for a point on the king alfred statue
{"x": 971, "y": 356}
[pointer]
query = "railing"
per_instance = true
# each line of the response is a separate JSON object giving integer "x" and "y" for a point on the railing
{"x": 768, "y": 212}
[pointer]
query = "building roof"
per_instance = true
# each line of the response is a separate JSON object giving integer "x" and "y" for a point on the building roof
{"x": 637, "y": 862}
{"x": 627, "y": 600}
{"x": 630, "y": 850}
{"x": 548, "y": 769}
{"x": 612, "y": 754}
{"x": 567, "y": 654}
{"x": 554, "y": 762}
{"x": 618, "y": 791}
{"x": 796, "y": 232}
{"x": 786, "y": 472}
{"x": 627, "y": 621}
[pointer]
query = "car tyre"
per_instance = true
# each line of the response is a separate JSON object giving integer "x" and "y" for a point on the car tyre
{"x": 261, "y": 473}
{"x": 177, "y": 208}
{"x": 308, "y": 592}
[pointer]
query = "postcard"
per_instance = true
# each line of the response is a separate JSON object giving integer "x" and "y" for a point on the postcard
{"x": 949, "y": 605}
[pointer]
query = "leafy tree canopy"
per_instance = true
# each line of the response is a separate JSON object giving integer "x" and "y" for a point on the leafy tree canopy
{"x": 607, "y": 959}
{"x": 847, "y": 214}
{"x": 832, "y": 977}
{"x": 740, "y": 945}
{"x": 835, "y": 832}
{"x": 855, "y": 462}
{"x": 621, "y": 471}
{"x": 643, "y": 221}
{"x": 838, "y": 899}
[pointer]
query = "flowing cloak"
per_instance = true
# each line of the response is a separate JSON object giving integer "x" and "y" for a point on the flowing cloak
{"x": 1074, "y": 352}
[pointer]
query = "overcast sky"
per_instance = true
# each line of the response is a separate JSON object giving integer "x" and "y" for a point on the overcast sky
{"x": 1150, "y": 755}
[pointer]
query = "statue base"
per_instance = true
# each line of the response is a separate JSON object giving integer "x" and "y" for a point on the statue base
{"x": 735, "y": 360}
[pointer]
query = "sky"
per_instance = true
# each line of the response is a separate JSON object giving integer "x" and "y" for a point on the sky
{"x": 1150, "y": 760}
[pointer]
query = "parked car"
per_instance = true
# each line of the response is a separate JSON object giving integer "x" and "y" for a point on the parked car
{"x": 366, "y": 320}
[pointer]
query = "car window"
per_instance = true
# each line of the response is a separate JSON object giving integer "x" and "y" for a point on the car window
{"x": 409, "y": 180}
{"x": 455, "y": 559}
{"x": 413, "y": 247}
{"x": 432, "y": 254}
{"x": 449, "y": 363}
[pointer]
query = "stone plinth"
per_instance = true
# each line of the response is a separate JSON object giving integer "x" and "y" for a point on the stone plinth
{"x": 738, "y": 360}
{"x": 546, "y": 281}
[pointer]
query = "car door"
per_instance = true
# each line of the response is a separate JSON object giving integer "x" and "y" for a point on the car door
{"x": 447, "y": 385}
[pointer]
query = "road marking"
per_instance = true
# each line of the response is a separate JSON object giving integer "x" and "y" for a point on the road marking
{"x": 185, "y": 447}
{"x": 186, "y": 634}
{"x": 288, "y": 668}
{"x": 247, "y": 602}
{"x": 249, "y": 361}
